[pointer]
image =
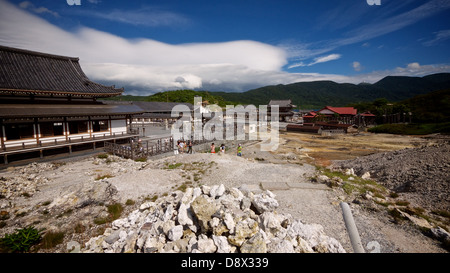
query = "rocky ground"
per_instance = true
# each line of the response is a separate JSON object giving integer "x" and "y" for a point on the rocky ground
{"x": 420, "y": 175}
{"x": 106, "y": 198}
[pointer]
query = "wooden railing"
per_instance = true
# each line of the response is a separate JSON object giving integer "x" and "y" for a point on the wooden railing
{"x": 140, "y": 149}
{"x": 48, "y": 144}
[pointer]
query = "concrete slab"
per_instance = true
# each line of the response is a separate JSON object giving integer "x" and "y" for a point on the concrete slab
{"x": 309, "y": 186}
{"x": 271, "y": 186}
{"x": 274, "y": 186}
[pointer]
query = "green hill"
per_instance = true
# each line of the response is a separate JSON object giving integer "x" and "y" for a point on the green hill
{"x": 321, "y": 93}
{"x": 313, "y": 95}
{"x": 178, "y": 96}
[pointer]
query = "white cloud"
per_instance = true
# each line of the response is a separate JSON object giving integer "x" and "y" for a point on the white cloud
{"x": 322, "y": 59}
{"x": 145, "y": 66}
{"x": 357, "y": 66}
{"x": 382, "y": 24}
{"x": 440, "y": 36}
{"x": 146, "y": 16}
{"x": 412, "y": 70}
{"x": 300, "y": 64}
{"x": 30, "y": 6}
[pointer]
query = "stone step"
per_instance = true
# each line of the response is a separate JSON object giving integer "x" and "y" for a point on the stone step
{"x": 292, "y": 185}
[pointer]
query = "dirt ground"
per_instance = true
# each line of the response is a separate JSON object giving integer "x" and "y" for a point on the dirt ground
{"x": 285, "y": 171}
{"x": 321, "y": 150}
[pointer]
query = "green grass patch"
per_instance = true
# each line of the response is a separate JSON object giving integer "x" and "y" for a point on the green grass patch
{"x": 100, "y": 177}
{"x": 103, "y": 156}
{"x": 412, "y": 128}
{"x": 173, "y": 166}
{"x": 20, "y": 241}
{"x": 353, "y": 183}
{"x": 443, "y": 213}
{"x": 114, "y": 210}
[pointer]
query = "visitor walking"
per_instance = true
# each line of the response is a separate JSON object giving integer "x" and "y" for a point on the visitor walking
{"x": 213, "y": 149}
{"x": 190, "y": 147}
{"x": 239, "y": 150}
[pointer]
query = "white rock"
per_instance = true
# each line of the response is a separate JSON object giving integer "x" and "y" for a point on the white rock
{"x": 265, "y": 202}
{"x": 206, "y": 245}
{"x": 73, "y": 247}
{"x": 229, "y": 222}
{"x": 187, "y": 197}
{"x": 146, "y": 205}
{"x": 168, "y": 213}
{"x": 237, "y": 194}
{"x": 213, "y": 191}
{"x": 222, "y": 244}
{"x": 349, "y": 171}
{"x": 167, "y": 226}
{"x": 119, "y": 223}
{"x": 270, "y": 222}
{"x": 280, "y": 246}
{"x": 196, "y": 193}
{"x": 184, "y": 215}
{"x": 175, "y": 233}
{"x": 205, "y": 189}
{"x": 366, "y": 175}
{"x": 221, "y": 190}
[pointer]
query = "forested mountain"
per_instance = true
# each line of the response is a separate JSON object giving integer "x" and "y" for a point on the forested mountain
{"x": 314, "y": 95}
{"x": 321, "y": 93}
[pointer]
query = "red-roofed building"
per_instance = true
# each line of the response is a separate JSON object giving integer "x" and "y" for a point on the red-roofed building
{"x": 345, "y": 115}
{"x": 309, "y": 118}
{"x": 346, "y": 111}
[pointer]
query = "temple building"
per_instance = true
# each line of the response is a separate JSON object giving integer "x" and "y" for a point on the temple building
{"x": 48, "y": 105}
{"x": 285, "y": 108}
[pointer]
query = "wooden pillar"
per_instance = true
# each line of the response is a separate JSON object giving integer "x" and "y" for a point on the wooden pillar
{"x": 66, "y": 128}
{"x": 90, "y": 127}
{"x": 110, "y": 126}
{"x": 36, "y": 130}
{"x": 2, "y": 141}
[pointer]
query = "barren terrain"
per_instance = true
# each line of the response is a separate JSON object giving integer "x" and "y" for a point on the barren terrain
{"x": 68, "y": 195}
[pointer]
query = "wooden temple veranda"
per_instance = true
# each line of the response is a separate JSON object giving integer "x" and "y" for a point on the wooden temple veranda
{"x": 48, "y": 105}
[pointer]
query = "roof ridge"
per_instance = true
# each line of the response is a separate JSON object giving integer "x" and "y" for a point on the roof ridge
{"x": 27, "y": 71}
{"x": 36, "y": 53}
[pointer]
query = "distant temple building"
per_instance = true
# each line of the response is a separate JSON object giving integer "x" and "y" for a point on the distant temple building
{"x": 48, "y": 104}
{"x": 285, "y": 108}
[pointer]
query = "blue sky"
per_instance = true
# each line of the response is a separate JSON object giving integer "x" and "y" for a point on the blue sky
{"x": 234, "y": 46}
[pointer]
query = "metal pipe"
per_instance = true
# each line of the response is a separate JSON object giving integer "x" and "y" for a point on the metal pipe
{"x": 351, "y": 228}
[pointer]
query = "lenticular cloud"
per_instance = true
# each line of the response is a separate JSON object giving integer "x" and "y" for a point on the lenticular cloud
{"x": 141, "y": 64}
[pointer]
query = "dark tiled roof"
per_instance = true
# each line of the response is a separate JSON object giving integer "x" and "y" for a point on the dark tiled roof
{"x": 67, "y": 110}
{"x": 29, "y": 72}
{"x": 281, "y": 103}
{"x": 156, "y": 106}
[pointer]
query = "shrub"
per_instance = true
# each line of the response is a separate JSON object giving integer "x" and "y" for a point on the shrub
{"x": 141, "y": 159}
{"x": 115, "y": 210}
{"x": 173, "y": 166}
{"x": 52, "y": 239}
{"x": 100, "y": 177}
{"x": 20, "y": 241}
